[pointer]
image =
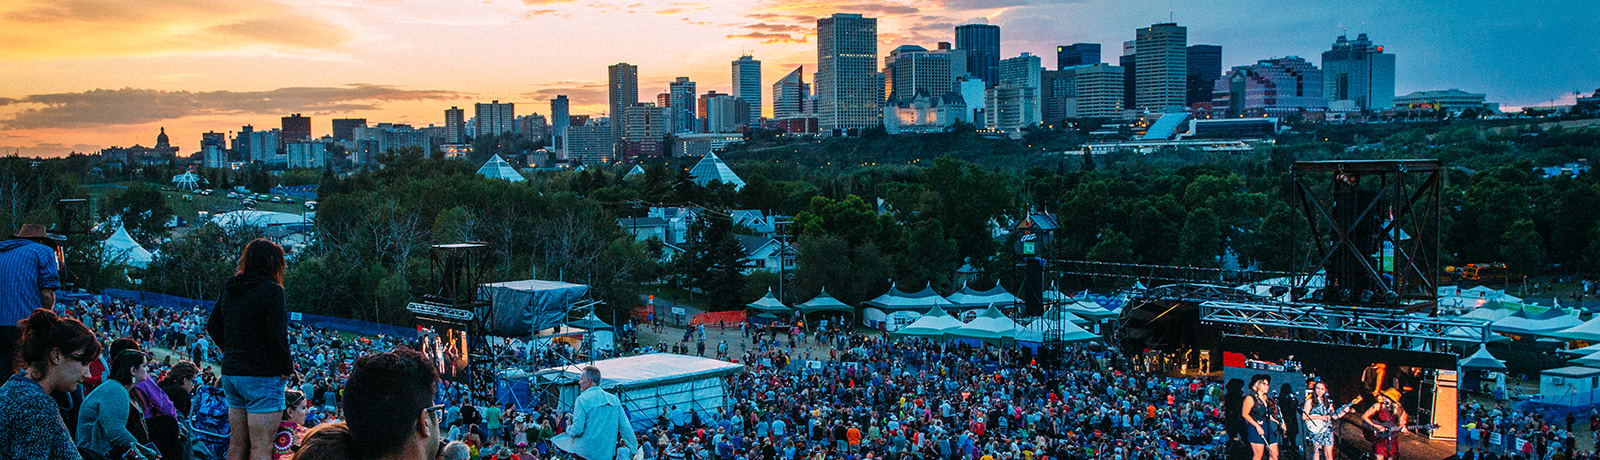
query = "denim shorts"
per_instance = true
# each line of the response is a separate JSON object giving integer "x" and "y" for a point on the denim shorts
{"x": 253, "y": 394}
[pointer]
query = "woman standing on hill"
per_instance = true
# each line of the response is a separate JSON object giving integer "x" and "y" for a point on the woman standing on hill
{"x": 251, "y": 326}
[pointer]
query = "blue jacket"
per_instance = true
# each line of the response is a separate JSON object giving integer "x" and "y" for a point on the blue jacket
{"x": 25, "y": 268}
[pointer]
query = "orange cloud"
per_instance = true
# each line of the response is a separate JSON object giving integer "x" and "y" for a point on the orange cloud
{"x": 35, "y": 29}
{"x": 768, "y": 38}
{"x": 103, "y": 107}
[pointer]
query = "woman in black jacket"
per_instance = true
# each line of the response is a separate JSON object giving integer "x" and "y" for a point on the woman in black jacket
{"x": 251, "y": 326}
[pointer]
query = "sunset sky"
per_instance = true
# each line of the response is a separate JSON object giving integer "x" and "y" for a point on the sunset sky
{"x": 80, "y": 75}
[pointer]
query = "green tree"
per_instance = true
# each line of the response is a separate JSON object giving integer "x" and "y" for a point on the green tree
{"x": 1524, "y": 249}
{"x": 1200, "y": 241}
{"x": 143, "y": 210}
{"x": 714, "y": 261}
{"x": 1113, "y": 247}
{"x": 930, "y": 257}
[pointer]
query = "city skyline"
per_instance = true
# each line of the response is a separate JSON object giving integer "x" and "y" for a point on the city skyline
{"x": 84, "y": 75}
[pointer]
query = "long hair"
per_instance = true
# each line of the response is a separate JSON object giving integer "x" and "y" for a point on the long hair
{"x": 263, "y": 258}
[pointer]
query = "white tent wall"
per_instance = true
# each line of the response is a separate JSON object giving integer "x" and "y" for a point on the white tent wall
{"x": 646, "y": 403}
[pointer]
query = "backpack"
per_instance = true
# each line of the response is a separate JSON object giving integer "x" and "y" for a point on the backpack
{"x": 210, "y": 422}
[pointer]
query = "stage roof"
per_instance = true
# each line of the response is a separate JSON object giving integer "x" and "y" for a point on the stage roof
{"x": 648, "y": 370}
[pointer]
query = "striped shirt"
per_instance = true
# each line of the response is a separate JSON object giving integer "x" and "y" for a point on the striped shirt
{"x": 25, "y": 268}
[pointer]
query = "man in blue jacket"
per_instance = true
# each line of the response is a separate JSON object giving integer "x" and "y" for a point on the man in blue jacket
{"x": 28, "y": 280}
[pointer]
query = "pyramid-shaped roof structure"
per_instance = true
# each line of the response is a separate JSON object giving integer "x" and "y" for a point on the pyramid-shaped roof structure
{"x": 497, "y": 168}
{"x": 121, "y": 248}
{"x": 712, "y": 168}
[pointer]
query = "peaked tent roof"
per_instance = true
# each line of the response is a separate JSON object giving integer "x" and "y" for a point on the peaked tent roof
{"x": 1590, "y": 360}
{"x": 121, "y": 247}
{"x": 1035, "y": 331}
{"x": 968, "y": 297}
{"x": 1542, "y": 324}
{"x": 1482, "y": 360}
{"x": 636, "y": 171}
{"x": 1585, "y": 351}
{"x": 991, "y": 324}
{"x": 770, "y": 303}
{"x": 710, "y": 167}
{"x": 590, "y": 322}
{"x": 1089, "y": 310}
{"x": 937, "y": 324}
{"x": 824, "y": 302}
{"x": 1589, "y": 331}
{"x": 898, "y": 300}
{"x": 497, "y": 168}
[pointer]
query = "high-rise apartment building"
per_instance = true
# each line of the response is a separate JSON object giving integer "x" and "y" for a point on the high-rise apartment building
{"x": 241, "y": 144}
{"x": 589, "y": 142}
{"x": 982, "y": 44}
{"x": 344, "y": 128}
{"x": 560, "y": 119}
{"x": 849, "y": 87}
{"x": 723, "y": 113}
{"x": 647, "y": 131}
{"x": 747, "y": 84}
{"x": 1097, "y": 91}
{"x": 455, "y": 125}
{"x": 296, "y": 128}
{"x": 1077, "y": 54}
{"x": 214, "y": 149}
{"x": 1270, "y": 88}
{"x": 622, "y": 91}
{"x": 1024, "y": 71}
{"x": 681, "y": 101}
{"x": 1011, "y": 107}
{"x": 1359, "y": 72}
{"x": 494, "y": 118}
{"x": 911, "y": 68}
{"x": 1163, "y": 60}
{"x": 1205, "y": 67}
{"x": 789, "y": 94}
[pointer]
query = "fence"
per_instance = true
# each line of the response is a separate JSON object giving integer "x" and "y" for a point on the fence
{"x": 324, "y": 322}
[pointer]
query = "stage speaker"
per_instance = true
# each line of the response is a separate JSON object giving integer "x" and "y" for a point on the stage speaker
{"x": 1033, "y": 287}
{"x": 1444, "y": 405}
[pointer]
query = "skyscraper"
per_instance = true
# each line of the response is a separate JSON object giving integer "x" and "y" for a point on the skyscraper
{"x": 747, "y": 84}
{"x": 911, "y": 68}
{"x": 1130, "y": 67}
{"x": 1205, "y": 66}
{"x": 296, "y": 128}
{"x": 494, "y": 118}
{"x": 214, "y": 149}
{"x": 1359, "y": 72}
{"x": 982, "y": 43}
{"x": 647, "y": 130}
{"x": 1097, "y": 90}
{"x": 1024, "y": 72}
{"x": 344, "y": 128}
{"x": 1163, "y": 61}
{"x": 455, "y": 125}
{"x": 789, "y": 94}
{"x": 1077, "y": 54}
{"x": 849, "y": 88}
{"x": 623, "y": 91}
{"x": 560, "y": 119}
{"x": 681, "y": 102}
{"x": 1270, "y": 88}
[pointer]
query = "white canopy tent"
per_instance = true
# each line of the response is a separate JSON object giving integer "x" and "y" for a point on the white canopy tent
{"x": 936, "y": 324}
{"x": 969, "y": 298}
{"x": 1544, "y": 324}
{"x": 770, "y": 304}
{"x": 1588, "y": 361}
{"x": 1589, "y": 331}
{"x": 1482, "y": 360}
{"x": 650, "y": 384}
{"x": 989, "y": 325}
{"x": 1036, "y": 330}
{"x": 1585, "y": 351}
{"x": 896, "y": 308}
{"x": 121, "y": 248}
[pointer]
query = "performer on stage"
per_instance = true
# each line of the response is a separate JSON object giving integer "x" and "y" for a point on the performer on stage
{"x": 1383, "y": 415}
{"x": 1265, "y": 420}
{"x": 1319, "y": 415}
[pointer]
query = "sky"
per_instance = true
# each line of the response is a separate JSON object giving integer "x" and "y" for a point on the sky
{"x": 81, "y": 75}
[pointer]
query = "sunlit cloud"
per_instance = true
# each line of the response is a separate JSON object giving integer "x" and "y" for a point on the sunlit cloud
{"x": 84, "y": 28}
{"x": 102, "y": 107}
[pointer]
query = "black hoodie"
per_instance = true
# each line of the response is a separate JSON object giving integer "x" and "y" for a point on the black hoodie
{"x": 251, "y": 326}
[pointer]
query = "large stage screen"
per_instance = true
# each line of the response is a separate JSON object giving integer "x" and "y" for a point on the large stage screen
{"x": 445, "y": 342}
{"x": 1424, "y": 383}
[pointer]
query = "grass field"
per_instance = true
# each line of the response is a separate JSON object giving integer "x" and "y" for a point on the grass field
{"x": 189, "y": 208}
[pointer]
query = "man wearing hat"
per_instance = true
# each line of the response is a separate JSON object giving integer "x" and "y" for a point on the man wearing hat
{"x": 28, "y": 280}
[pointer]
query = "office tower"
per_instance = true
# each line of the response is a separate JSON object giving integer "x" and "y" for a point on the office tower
{"x": 1077, "y": 54}
{"x": 590, "y": 142}
{"x": 1130, "y": 67}
{"x": 1024, "y": 71}
{"x": 623, "y": 91}
{"x": 982, "y": 44}
{"x": 494, "y": 118}
{"x": 747, "y": 84}
{"x": 681, "y": 100}
{"x": 560, "y": 119}
{"x": 1011, "y": 107}
{"x": 1205, "y": 66}
{"x": 344, "y": 128}
{"x": 849, "y": 88}
{"x": 533, "y": 127}
{"x": 911, "y": 68}
{"x": 1359, "y": 72}
{"x": 1097, "y": 91}
{"x": 647, "y": 130}
{"x": 789, "y": 95}
{"x": 1270, "y": 88}
{"x": 455, "y": 126}
{"x": 972, "y": 94}
{"x": 214, "y": 149}
{"x": 1055, "y": 92}
{"x": 296, "y": 128}
{"x": 1163, "y": 60}
{"x": 723, "y": 113}
{"x": 241, "y": 144}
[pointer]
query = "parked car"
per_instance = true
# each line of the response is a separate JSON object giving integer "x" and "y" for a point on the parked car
{"x": 276, "y": 200}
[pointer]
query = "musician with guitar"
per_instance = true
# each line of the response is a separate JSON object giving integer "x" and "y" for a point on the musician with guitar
{"x": 1388, "y": 419}
{"x": 1319, "y": 415}
{"x": 1265, "y": 419}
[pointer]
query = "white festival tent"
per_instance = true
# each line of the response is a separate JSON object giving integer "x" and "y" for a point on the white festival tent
{"x": 121, "y": 248}
{"x": 1589, "y": 331}
{"x": 649, "y": 384}
{"x": 1482, "y": 360}
{"x": 1544, "y": 324}
{"x": 936, "y": 324}
{"x": 1053, "y": 319}
{"x": 1090, "y": 311}
{"x": 1587, "y": 361}
{"x": 770, "y": 304}
{"x": 989, "y": 325}
{"x": 897, "y": 308}
{"x": 1585, "y": 351}
{"x": 968, "y": 298}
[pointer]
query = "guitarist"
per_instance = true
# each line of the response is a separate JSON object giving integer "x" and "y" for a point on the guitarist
{"x": 1383, "y": 415}
{"x": 1263, "y": 419}
{"x": 1319, "y": 415}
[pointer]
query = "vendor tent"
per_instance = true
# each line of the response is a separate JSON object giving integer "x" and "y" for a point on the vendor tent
{"x": 1589, "y": 331}
{"x": 770, "y": 303}
{"x": 1585, "y": 351}
{"x": 651, "y": 385}
{"x": 896, "y": 309}
{"x": 824, "y": 302}
{"x": 989, "y": 325}
{"x": 1089, "y": 310}
{"x": 968, "y": 298}
{"x": 1037, "y": 330}
{"x": 1492, "y": 311}
{"x": 1482, "y": 360}
{"x": 1590, "y": 361}
{"x": 519, "y": 308}
{"x": 1545, "y": 323}
{"x": 936, "y": 324}
{"x": 121, "y": 248}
